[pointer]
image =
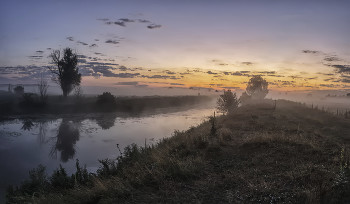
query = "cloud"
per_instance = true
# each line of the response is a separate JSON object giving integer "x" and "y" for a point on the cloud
{"x": 331, "y": 59}
{"x": 170, "y": 72}
{"x": 123, "y": 68}
{"x": 127, "y": 75}
{"x": 127, "y": 83}
{"x": 177, "y": 84}
{"x": 311, "y": 78}
{"x": 93, "y": 45}
{"x": 82, "y": 56}
{"x": 70, "y": 38}
{"x": 35, "y": 57}
{"x": 82, "y": 61}
{"x": 126, "y": 20}
{"x": 311, "y": 51}
{"x": 24, "y": 72}
{"x": 236, "y": 73}
{"x": 341, "y": 68}
{"x": 82, "y": 43}
{"x": 327, "y": 85}
{"x": 267, "y": 72}
{"x": 247, "y": 63}
{"x": 112, "y": 41}
{"x": 143, "y": 21}
{"x": 153, "y": 26}
{"x": 120, "y": 23}
{"x": 103, "y": 19}
{"x": 210, "y": 72}
{"x": 157, "y": 76}
{"x": 326, "y": 74}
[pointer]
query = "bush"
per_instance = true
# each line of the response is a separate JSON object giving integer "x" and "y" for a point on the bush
{"x": 106, "y": 101}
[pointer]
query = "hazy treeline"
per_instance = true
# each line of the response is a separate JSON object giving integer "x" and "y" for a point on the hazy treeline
{"x": 28, "y": 104}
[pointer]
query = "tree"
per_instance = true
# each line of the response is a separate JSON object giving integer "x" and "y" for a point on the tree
{"x": 257, "y": 88}
{"x": 106, "y": 100}
{"x": 228, "y": 102}
{"x": 42, "y": 88}
{"x": 66, "y": 73}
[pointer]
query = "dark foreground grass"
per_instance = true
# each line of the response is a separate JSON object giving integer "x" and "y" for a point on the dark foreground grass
{"x": 291, "y": 154}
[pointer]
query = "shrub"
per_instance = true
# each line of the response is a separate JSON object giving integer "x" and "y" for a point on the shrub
{"x": 106, "y": 101}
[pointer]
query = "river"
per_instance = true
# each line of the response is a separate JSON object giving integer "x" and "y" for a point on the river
{"x": 51, "y": 141}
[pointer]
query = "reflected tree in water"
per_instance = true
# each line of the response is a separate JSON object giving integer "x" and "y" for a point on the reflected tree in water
{"x": 42, "y": 132}
{"x": 27, "y": 125}
{"x": 68, "y": 135}
{"x": 106, "y": 121}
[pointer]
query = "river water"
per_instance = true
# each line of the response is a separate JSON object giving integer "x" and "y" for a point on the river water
{"x": 26, "y": 143}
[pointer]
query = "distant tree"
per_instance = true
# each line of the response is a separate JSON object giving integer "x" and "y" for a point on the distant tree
{"x": 257, "y": 88}
{"x": 66, "y": 73}
{"x": 42, "y": 89}
{"x": 106, "y": 101}
{"x": 19, "y": 90}
{"x": 348, "y": 94}
{"x": 227, "y": 102}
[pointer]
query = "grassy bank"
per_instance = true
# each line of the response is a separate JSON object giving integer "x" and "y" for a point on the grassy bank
{"x": 290, "y": 154}
{"x": 19, "y": 105}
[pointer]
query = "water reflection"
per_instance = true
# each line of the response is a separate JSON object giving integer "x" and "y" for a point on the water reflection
{"x": 42, "y": 132}
{"x": 106, "y": 121}
{"x": 27, "y": 125}
{"x": 68, "y": 135}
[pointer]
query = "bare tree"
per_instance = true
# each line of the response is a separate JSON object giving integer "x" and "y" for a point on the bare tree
{"x": 66, "y": 73}
{"x": 42, "y": 88}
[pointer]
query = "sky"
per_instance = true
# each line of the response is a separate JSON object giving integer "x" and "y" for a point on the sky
{"x": 182, "y": 45}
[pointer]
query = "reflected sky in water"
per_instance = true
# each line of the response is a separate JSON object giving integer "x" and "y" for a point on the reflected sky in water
{"x": 24, "y": 144}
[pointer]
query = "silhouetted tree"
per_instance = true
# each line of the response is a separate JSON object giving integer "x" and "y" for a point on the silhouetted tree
{"x": 257, "y": 87}
{"x": 227, "y": 102}
{"x": 19, "y": 90}
{"x": 106, "y": 101}
{"x": 42, "y": 89}
{"x": 66, "y": 73}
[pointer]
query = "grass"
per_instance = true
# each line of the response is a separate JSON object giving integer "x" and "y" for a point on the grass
{"x": 291, "y": 154}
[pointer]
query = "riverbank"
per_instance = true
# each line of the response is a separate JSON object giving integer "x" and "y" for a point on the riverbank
{"x": 290, "y": 154}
